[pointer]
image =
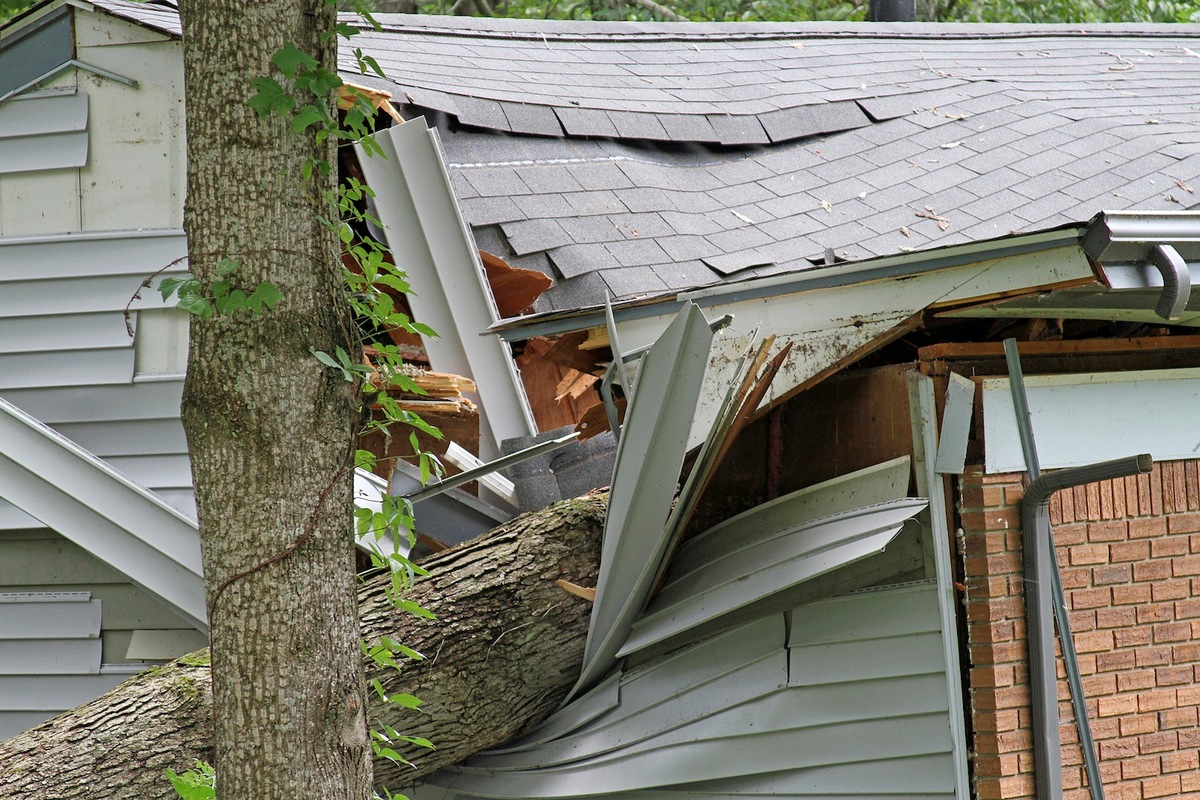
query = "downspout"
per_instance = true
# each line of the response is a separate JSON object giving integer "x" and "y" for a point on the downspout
{"x": 1177, "y": 281}
{"x": 1042, "y": 581}
{"x": 1041, "y": 569}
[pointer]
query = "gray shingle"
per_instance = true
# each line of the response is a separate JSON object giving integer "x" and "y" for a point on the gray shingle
{"x": 490, "y": 210}
{"x": 549, "y": 179}
{"x": 595, "y": 176}
{"x": 544, "y": 206}
{"x": 680, "y": 275}
{"x": 529, "y": 236}
{"x": 632, "y": 281}
{"x": 495, "y": 181}
{"x": 639, "y": 199}
{"x": 683, "y": 248}
{"x": 636, "y": 226}
{"x": 733, "y": 130}
{"x": 637, "y": 252}
{"x": 688, "y": 128}
{"x": 585, "y": 290}
{"x": 588, "y": 203}
{"x": 481, "y": 113}
{"x": 585, "y": 122}
{"x": 799, "y": 122}
{"x": 589, "y": 230}
{"x": 578, "y": 259}
{"x": 533, "y": 119}
{"x": 638, "y": 125}
{"x": 688, "y": 223}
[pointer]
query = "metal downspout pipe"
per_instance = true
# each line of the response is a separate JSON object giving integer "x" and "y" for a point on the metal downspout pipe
{"x": 1043, "y": 585}
{"x": 1044, "y": 598}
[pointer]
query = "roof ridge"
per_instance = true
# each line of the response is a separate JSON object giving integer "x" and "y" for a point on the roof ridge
{"x": 515, "y": 29}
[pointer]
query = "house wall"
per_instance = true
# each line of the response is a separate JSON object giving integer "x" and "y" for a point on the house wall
{"x": 134, "y": 175}
{"x": 1129, "y": 550}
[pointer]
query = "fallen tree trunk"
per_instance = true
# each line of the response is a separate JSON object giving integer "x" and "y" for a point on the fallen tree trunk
{"x": 504, "y": 650}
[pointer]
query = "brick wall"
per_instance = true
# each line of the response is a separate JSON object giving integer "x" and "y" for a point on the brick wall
{"x": 1129, "y": 550}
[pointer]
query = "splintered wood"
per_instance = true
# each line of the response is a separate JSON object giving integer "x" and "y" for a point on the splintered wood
{"x": 559, "y": 392}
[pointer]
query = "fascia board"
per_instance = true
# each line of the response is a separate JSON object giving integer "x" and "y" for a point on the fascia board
{"x": 905, "y": 265}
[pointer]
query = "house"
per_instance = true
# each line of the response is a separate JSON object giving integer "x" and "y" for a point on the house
{"x": 836, "y": 602}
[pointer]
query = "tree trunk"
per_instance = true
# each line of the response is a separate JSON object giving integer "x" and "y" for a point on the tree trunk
{"x": 270, "y": 430}
{"x": 502, "y": 654}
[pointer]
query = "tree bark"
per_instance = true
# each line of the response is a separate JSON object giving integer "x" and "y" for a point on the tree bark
{"x": 503, "y": 652}
{"x": 270, "y": 430}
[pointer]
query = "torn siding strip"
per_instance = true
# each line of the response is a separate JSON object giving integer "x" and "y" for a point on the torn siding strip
{"x": 424, "y": 225}
{"x": 649, "y": 458}
{"x": 793, "y": 556}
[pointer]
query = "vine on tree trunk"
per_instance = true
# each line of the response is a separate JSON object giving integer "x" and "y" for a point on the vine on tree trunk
{"x": 369, "y": 289}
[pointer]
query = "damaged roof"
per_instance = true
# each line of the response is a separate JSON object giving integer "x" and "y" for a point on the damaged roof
{"x": 643, "y": 159}
{"x": 647, "y": 158}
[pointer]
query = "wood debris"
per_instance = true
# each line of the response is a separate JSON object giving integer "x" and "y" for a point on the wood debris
{"x": 514, "y": 289}
{"x": 577, "y": 590}
{"x": 1184, "y": 185}
{"x": 929, "y": 213}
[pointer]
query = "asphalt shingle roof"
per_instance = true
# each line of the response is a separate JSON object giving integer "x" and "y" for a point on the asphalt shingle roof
{"x": 774, "y": 143}
{"x": 640, "y": 158}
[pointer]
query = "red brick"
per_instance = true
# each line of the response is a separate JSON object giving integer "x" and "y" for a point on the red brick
{"x": 1089, "y": 554}
{"x": 1118, "y": 659}
{"x": 1169, "y": 546}
{"x": 994, "y": 676}
{"x": 1082, "y": 621}
{"x": 1113, "y": 573}
{"x": 1135, "y": 724}
{"x": 1157, "y": 700}
{"x": 1152, "y": 571}
{"x": 1132, "y": 594}
{"x": 1172, "y": 632}
{"x": 1147, "y": 527}
{"x": 1078, "y": 577}
{"x": 1170, "y": 590}
{"x": 1131, "y": 637}
{"x": 1153, "y": 656}
{"x": 1185, "y": 609}
{"x": 1140, "y": 767}
{"x": 1121, "y": 704}
{"x": 1188, "y": 696}
{"x": 1185, "y": 652}
{"x": 997, "y": 721}
{"x": 1135, "y": 680}
{"x": 1178, "y": 762}
{"x": 1186, "y": 565}
{"x": 1130, "y": 551}
{"x": 996, "y": 766}
{"x": 1184, "y": 523}
{"x": 1177, "y": 718}
{"x": 1090, "y": 598}
{"x": 1116, "y": 617}
{"x": 1096, "y": 685}
{"x": 1097, "y": 641}
{"x": 1105, "y": 531}
{"x": 1189, "y": 739}
{"x": 1160, "y": 787}
{"x": 1158, "y": 742}
{"x": 1172, "y": 676}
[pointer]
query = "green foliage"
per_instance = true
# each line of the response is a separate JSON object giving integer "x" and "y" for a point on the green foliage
{"x": 1040, "y": 11}
{"x": 195, "y": 784}
{"x": 222, "y": 296}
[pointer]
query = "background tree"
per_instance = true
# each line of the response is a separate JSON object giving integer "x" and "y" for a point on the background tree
{"x": 270, "y": 430}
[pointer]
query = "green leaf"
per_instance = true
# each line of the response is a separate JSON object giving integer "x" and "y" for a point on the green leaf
{"x": 269, "y": 97}
{"x": 405, "y": 701}
{"x": 308, "y": 116}
{"x": 197, "y": 305}
{"x": 290, "y": 59}
{"x": 170, "y": 286}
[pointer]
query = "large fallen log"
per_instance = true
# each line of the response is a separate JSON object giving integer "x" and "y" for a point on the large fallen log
{"x": 504, "y": 650}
